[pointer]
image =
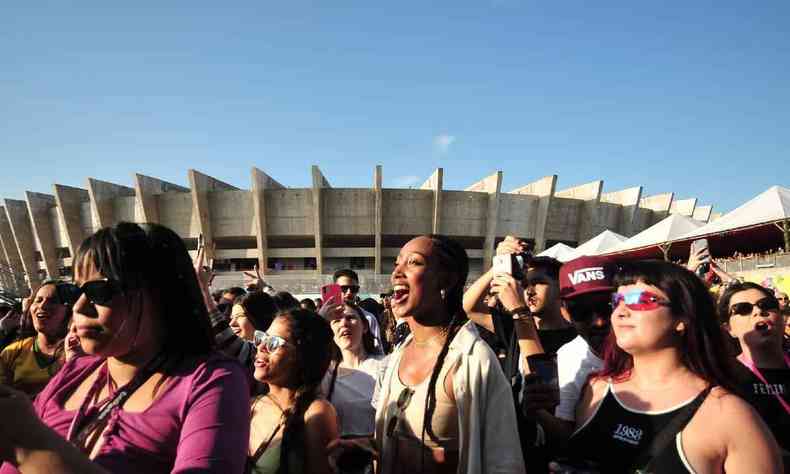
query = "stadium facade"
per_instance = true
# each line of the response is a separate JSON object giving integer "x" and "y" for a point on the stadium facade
{"x": 302, "y": 235}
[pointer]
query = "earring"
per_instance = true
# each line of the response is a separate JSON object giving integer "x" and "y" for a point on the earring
{"x": 443, "y": 293}
{"x": 681, "y": 327}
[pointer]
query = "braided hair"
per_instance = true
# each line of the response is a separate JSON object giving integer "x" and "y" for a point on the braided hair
{"x": 314, "y": 341}
{"x": 452, "y": 260}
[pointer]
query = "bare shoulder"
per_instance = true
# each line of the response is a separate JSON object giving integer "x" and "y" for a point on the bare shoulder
{"x": 725, "y": 409}
{"x": 320, "y": 409}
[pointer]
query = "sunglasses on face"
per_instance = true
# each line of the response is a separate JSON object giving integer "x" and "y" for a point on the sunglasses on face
{"x": 352, "y": 288}
{"x": 746, "y": 308}
{"x": 586, "y": 311}
{"x": 99, "y": 292}
{"x": 268, "y": 342}
{"x": 639, "y": 300}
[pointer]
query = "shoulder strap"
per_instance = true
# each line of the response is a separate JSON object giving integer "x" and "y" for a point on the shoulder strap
{"x": 332, "y": 382}
{"x": 666, "y": 435}
{"x": 264, "y": 446}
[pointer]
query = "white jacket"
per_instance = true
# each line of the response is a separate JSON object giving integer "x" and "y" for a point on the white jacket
{"x": 488, "y": 434}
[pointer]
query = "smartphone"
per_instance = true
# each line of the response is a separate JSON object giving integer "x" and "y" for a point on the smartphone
{"x": 503, "y": 264}
{"x": 332, "y": 294}
{"x": 544, "y": 367}
{"x": 701, "y": 245}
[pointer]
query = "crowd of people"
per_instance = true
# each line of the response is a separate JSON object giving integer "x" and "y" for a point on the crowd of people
{"x": 592, "y": 366}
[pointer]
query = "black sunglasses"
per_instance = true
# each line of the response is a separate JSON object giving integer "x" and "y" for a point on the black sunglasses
{"x": 403, "y": 402}
{"x": 745, "y": 308}
{"x": 352, "y": 288}
{"x": 100, "y": 292}
{"x": 585, "y": 311}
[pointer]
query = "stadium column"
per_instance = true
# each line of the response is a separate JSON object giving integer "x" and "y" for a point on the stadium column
{"x": 11, "y": 252}
{"x": 319, "y": 183}
{"x": 39, "y": 206}
{"x": 493, "y": 186}
{"x": 6, "y": 272}
{"x": 435, "y": 183}
{"x": 69, "y": 202}
{"x": 544, "y": 190}
{"x": 378, "y": 223}
{"x": 200, "y": 186}
{"x": 588, "y": 225}
{"x": 659, "y": 204}
{"x": 628, "y": 199}
{"x": 19, "y": 222}
{"x": 260, "y": 183}
{"x": 702, "y": 213}
{"x": 102, "y": 195}
{"x": 146, "y": 190}
{"x": 684, "y": 207}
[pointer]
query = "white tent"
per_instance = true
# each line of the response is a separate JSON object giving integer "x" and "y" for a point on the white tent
{"x": 560, "y": 251}
{"x": 599, "y": 244}
{"x": 770, "y": 206}
{"x": 672, "y": 227}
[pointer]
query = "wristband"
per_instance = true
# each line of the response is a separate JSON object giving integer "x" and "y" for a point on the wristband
{"x": 520, "y": 313}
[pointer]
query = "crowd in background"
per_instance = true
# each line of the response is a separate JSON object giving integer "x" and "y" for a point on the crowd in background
{"x": 595, "y": 365}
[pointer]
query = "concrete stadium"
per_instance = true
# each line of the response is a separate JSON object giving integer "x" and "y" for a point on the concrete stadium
{"x": 300, "y": 236}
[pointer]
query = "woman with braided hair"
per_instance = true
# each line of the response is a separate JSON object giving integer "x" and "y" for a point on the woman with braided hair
{"x": 443, "y": 404}
{"x": 291, "y": 425}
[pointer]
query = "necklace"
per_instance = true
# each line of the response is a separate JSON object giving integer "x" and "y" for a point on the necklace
{"x": 279, "y": 407}
{"x": 442, "y": 333}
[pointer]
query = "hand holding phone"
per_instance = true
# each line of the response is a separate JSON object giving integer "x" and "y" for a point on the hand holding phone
{"x": 332, "y": 295}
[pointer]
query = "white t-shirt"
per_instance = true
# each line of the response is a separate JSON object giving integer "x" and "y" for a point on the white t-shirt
{"x": 575, "y": 362}
{"x": 352, "y": 396}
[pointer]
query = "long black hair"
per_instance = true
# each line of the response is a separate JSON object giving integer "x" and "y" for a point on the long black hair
{"x": 259, "y": 308}
{"x": 453, "y": 262}
{"x": 153, "y": 257}
{"x": 314, "y": 341}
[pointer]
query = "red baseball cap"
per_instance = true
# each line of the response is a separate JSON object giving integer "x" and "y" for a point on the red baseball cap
{"x": 586, "y": 275}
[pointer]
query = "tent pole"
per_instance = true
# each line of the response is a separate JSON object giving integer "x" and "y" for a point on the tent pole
{"x": 786, "y": 232}
{"x": 665, "y": 250}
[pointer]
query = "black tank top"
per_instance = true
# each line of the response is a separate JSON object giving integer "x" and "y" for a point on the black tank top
{"x": 615, "y": 437}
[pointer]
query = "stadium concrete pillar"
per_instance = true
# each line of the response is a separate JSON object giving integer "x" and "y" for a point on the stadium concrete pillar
{"x": 684, "y": 207}
{"x": 146, "y": 190}
{"x": 200, "y": 186}
{"x": 784, "y": 226}
{"x": 435, "y": 183}
{"x": 102, "y": 194}
{"x": 319, "y": 183}
{"x": 39, "y": 206}
{"x": 493, "y": 186}
{"x": 628, "y": 200}
{"x": 19, "y": 221}
{"x": 702, "y": 213}
{"x": 544, "y": 190}
{"x": 69, "y": 202}
{"x": 378, "y": 223}
{"x": 659, "y": 204}
{"x": 11, "y": 252}
{"x": 260, "y": 183}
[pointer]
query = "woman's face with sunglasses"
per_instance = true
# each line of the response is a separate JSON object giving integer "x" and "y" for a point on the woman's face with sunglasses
{"x": 642, "y": 320}
{"x": 108, "y": 322}
{"x": 755, "y": 319}
{"x": 276, "y": 361}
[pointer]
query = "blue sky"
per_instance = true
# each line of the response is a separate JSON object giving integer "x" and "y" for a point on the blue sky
{"x": 690, "y": 97}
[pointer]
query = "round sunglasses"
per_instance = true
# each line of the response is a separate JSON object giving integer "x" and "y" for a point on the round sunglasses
{"x": 268, "y": 342}
{"x": 745, "y": 309}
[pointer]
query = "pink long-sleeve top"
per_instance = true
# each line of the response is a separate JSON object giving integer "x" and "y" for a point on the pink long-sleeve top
{"x": 198, "y": 424}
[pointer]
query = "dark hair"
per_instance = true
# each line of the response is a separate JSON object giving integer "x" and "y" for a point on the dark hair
{"x": 308, "y": 304}
{"x": 368, "y": 341}
{"x": 259, "y": 308}
{"x": 372, "y": 306}
{"x": 346, "y": 272}
{"x": 64, "y": 328}
{"x": 704, "y": 351}
{"x": 548, "y": 264}
{"x": 236, "y": 291}
{"x": 314, "y": 341}
{"x": 153, "y": 257}
{"x": 285, "y": 301}
{"x": 453, "y": 260}
{"x": 726, "y": 296}
{"x": 216, "y": 295}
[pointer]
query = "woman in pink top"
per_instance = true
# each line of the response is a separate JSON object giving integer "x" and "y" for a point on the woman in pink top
{"x": 150, "y": 395}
